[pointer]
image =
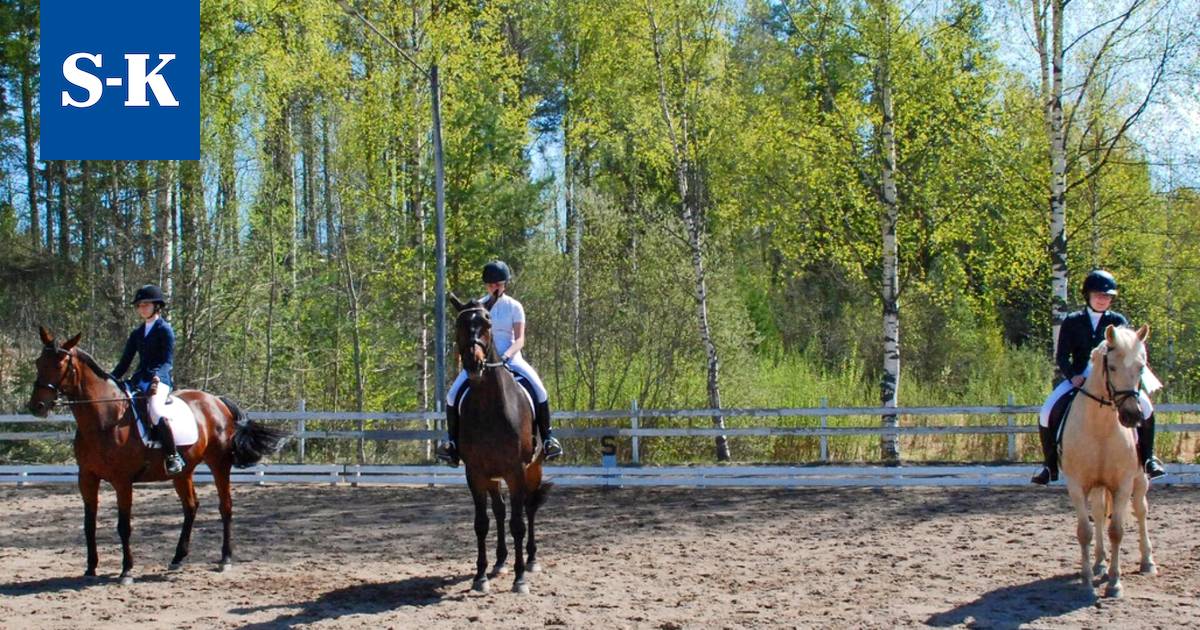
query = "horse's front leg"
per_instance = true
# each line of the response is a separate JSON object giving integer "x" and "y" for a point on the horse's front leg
{"x": 89, "y": 489}
{"x": 1083, "y": 529}
{"x": 124, "y": 491}
{"x": 1116, "y": 531}
{"x": 1100, "y": 508}
{"x": 479, "y": 495}
{"x": 501, "y": 566}
{"x": 187, "y": 496}
{"x": 1140, "y": 508}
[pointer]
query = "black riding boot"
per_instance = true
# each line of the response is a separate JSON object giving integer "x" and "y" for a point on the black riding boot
{"x": 1049, "y": 470}
{"x": 447, "y": 451}
{"x": 171, "y": 456}
{"x": 1145, "y": 437}
{"x": 541, "y": 417}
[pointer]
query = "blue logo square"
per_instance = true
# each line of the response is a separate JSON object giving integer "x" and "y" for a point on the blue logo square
{"x": 120, "y": 80}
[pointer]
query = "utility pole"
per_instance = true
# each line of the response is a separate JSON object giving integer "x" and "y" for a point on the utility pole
{"x": 439, "y": 185}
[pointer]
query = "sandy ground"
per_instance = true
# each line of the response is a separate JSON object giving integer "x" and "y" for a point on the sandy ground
{"x": 342, "y": 557}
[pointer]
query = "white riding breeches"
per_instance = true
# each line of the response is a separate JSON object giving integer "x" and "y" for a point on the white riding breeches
{"x": 518, "y": 365}
{"x": 1065, "y": 386}
{"x": 157, "y": 404}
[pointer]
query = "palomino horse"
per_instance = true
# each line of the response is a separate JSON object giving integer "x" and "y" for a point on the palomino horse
{"x": 107, "y": 445}
{"x": 495, "y": 441}
{"x": 1099, "y": 456}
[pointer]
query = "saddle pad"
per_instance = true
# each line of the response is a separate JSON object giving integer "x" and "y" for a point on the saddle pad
{"x": 182, "y": 421}
{"x": 466, "y": 389}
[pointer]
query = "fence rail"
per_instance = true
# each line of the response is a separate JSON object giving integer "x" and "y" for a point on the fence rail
{"x": 635, "y": 430}
{"x": 614, "y": 476}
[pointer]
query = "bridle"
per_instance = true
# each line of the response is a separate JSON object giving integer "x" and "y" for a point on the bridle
{"x": 1115, "y": 396}
{"x": 61, "y": 396}
{"x": 476, "y": 341}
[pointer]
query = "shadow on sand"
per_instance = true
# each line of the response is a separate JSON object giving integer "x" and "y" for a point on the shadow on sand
{"x": 361, "y": 599}
{"x": 1012, "y": 607}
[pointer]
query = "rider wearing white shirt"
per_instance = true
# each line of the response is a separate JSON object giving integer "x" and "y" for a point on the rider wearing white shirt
{"x": 508, "y": 337}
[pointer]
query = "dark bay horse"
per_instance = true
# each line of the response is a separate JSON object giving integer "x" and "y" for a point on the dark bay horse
{"x": 108, "y": 448}
{"x": 495, "y": 441}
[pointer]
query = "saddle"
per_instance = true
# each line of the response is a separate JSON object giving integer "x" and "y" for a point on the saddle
{"x": 526, "y": 386}
{"x": 140, "y": 412}
{"x": 1059, "y": 413}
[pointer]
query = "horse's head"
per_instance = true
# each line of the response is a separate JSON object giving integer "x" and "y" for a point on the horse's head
{"x": 55, "y": 370}
{"x": 472, "y": 335}
{"x": 1122, "y": 357}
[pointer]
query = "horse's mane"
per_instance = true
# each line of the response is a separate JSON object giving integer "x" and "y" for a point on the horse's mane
{"x": 91, "y": 363}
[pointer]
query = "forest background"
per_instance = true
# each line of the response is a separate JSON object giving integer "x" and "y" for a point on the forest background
{"x": 734, "y": 203}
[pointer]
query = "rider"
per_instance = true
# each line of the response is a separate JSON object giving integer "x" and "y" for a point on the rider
{"x": 508, "y": 337}
{"x": 154, "y": 343}
{"x": 1081, "y": 332}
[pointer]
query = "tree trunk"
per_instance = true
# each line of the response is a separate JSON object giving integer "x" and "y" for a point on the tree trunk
{"x": 890, "y": 294}
{"x": 27, "y": 123}
{"x": 687, "y": 182}
{"x": 64, "y": 217}
{"x": 1058, "y": 175}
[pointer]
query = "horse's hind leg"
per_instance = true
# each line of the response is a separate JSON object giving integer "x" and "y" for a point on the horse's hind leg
{"x": 220, "y": 475}
{"x": 518, "y": 496}
{"x": 89, "y": 489}
{"x": 479, "y": 495}
{"x": 534, "y": 479}
{"x": 1140, "y": 508}
{"x": 1098, "y": 499}
{"x": 1083, "y": 529}
{"x": 125, "y": 528}
{"x": 186, "y": 490}
{"x": 501, "y": 566}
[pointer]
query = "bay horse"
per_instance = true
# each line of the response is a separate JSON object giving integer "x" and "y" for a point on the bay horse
{"x": 495, "y": 441}
{"x": 108, "y": 447}
{"x": 1099, "y": 453}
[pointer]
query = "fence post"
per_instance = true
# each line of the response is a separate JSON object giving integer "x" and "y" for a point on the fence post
{"x": 635, "y": 424}
{"x": 824, "y": 438}
{"x": 300, "y": 431}
{"x": 1012, "y": 435}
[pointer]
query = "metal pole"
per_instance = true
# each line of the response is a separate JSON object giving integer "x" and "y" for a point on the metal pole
{"x": 300, "y": 432}
{"x": 439, "y": 184}
{"x": 824, "y": 438}
{"x": 635, "y": 424}
{"x": 1012, "y": 436}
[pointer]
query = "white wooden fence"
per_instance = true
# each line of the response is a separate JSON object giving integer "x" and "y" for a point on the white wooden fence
{"x": 610, "y": 474}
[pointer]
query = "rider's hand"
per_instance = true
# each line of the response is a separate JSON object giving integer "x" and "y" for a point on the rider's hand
{"x": 1077, "y": 381}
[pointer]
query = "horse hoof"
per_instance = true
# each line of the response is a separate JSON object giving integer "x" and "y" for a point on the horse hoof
{"x": 500, "y": 569}
{"x": 175, "y": 566}
{"x": 90, "y": 574}
{"x": 126, "y": 580}
{"x": 1113, "y": 591}
{"x": 534, "y": 567}
{"x": 521, "y": 588}
{"x": 1149, "y": 568}
{"x": 225, "y": 567}
{"x": 480, "y": 586}
{"x": 1100, "y": 570}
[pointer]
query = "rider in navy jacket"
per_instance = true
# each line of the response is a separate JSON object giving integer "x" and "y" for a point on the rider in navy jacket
{"x": 154, "y": 344}
{"x": 1080, "y": 333}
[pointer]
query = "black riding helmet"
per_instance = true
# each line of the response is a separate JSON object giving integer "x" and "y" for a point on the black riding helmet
{"x": 150, "y": 293}
{"x": 496, "y": 271}
{"x": 1099, "y": 281}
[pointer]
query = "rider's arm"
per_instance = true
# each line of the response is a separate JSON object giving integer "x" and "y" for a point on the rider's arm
{"x": 126, "y": 357}
{"x": 1063, "y": 356}
{"x": 518, "y": 340}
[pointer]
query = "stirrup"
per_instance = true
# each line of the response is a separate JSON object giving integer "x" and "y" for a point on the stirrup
{"x": 447, "y": 452}
{"x": 1154, "y": 468}
{"x": 1044, "y": 476}
{"x": 174, "y": 464}
{"x": 552, "y": 447}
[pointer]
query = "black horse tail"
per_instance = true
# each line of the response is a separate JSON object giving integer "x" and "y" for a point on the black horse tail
{"x": 252, "y": 441}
